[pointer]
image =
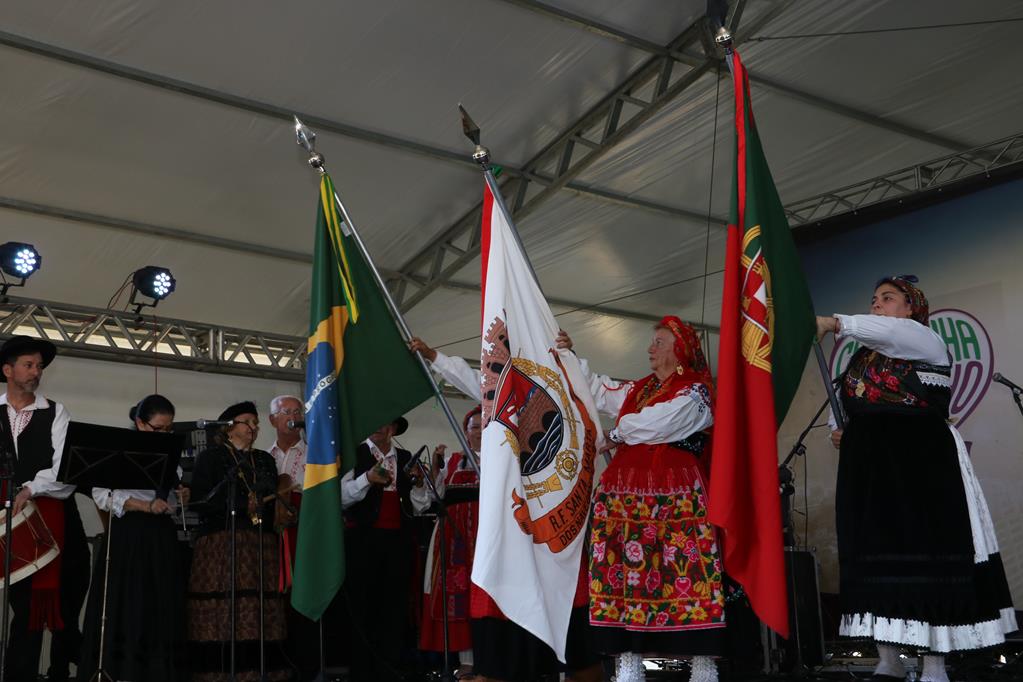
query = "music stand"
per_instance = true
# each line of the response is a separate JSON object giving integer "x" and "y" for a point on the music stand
{"x": 118, "y": 459}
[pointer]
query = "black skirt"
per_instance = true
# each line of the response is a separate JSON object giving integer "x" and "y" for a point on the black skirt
{"x": 145, "y": 629}
{"x": 503, "y": 650}
{"x": 905, "y": 542}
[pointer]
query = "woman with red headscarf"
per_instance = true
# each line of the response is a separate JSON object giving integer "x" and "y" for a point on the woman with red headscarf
{"x": 655, "y": 572}
{"x": 459, "y": 486}
{"x": 918, "y": 558}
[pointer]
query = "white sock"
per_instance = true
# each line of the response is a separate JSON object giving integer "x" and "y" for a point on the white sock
{"x": 890, "y": 663}
{"x": 629, "y": 668}
{"x": 704, "y": 670}
{"x": 934, "y": 669}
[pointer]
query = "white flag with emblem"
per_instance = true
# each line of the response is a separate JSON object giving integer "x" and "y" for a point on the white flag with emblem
{"x": 540, "y": 435}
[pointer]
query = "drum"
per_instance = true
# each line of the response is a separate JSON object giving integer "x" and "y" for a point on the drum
{"x": 31, "y": 545}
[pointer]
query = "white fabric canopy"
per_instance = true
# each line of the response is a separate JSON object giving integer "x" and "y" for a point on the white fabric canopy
{"x": 76, "y": 138}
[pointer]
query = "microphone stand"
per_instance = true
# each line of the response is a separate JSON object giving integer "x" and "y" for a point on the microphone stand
{"x": 787, "y": 490}
{"x": 1016, "y": 398}
{"x": 7, "y": 461}
{"x": 231, "y": 482}
{"x": 101, "y": 675}
{"x": 258, "y": 522}
{"x": 442, "y": 518}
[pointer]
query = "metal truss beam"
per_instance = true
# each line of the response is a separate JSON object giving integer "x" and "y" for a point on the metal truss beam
{"x": 269, "y": 110}
{"x": 904, "y": 183}
{"x": 756, "y": 79}
{"x": 645, "y": 92}
{"x": 187, "y": 236}
{"x": 121, "y": 336}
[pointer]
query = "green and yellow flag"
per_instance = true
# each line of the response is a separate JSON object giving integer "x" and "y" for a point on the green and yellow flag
{"x": 359, "y": 376}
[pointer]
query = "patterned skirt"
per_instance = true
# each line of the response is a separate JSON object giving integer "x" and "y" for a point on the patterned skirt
{"x": 655, "y": 572}
{"x": 460, "y": 546}
{"x": 209, "y": 607}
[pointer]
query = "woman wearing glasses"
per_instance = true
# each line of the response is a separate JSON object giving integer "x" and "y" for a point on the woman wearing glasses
{"x": 145, "y": 628}
{"x": 233, "y": 460}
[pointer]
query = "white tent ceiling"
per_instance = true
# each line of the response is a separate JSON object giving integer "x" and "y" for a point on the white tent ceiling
{"x": 156, "y": 114}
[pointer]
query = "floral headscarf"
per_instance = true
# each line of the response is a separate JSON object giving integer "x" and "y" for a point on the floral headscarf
{"x": 919, "y": 307}
{"x": 687, "y": 350}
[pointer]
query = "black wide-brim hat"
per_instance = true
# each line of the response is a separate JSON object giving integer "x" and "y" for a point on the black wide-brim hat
{"x": 16, "y": 346}
{"x": 238, "y": 409}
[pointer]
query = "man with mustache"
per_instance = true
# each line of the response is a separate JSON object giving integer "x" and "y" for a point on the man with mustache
{"x": 33, "y": 429}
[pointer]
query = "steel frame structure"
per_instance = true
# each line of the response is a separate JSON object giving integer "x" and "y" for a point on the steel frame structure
{"x": 644, "y": 92}
{"x": 906, "y": 182}
{"x": 122, "y": 336}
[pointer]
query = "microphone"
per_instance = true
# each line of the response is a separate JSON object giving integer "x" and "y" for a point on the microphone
{"x": 296, "y": 423}
{"x": 415, "y": 458}
{"x": 207, "y": 423}
{"x": 1008, "y": 384}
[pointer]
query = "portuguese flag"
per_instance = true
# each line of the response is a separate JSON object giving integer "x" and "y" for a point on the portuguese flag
{"x": 767, "y": 326}
{"x": 359, "y": 376}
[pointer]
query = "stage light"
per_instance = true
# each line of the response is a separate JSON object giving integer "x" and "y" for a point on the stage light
{"x": 151, "y": 282}
{"x": 154, "y": 282}
{"x": 18, "y": 260}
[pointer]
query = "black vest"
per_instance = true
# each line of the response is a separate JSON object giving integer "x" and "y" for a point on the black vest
{"x": 364, "y": 513}
{"x": 35, "y": 445}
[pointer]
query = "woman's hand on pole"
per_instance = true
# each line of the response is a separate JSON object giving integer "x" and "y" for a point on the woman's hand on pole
{"x": 417, "y": 344}
{"x": 825, "y": 325}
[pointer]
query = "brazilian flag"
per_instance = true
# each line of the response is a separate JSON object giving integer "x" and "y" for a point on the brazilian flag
{"x": 359, "y": 377}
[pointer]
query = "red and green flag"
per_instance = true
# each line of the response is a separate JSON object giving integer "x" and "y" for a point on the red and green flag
{"x": 767, "y": 326}
{"x": 359, "y": 376}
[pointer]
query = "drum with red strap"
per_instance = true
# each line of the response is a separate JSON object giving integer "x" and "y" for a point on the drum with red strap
{"x": 31, "y": 544}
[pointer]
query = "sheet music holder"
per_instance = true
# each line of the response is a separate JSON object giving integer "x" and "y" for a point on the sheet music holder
{"x": 116, "y": 458}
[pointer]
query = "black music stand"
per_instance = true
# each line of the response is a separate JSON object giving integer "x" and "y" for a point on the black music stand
{"x": 115, "y": 458}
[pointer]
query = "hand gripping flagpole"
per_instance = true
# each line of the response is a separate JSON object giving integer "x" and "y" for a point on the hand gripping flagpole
{"x": 306, "y": 139}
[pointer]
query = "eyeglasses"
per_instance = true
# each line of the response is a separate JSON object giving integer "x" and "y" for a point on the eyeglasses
{"x": 252, "y": 423}
{"x": 290, "y": 413}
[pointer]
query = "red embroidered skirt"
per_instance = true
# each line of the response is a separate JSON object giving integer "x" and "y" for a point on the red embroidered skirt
{"x": 655, "y": 572}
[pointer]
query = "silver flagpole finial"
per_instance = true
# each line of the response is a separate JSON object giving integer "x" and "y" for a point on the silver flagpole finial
{"x": 723, "y": 37}
{"x": 481, "y": 154}
{"x": 306, "y": 139}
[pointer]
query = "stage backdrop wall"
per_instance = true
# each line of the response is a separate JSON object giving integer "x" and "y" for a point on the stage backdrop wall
{"x": 966, "y": 252}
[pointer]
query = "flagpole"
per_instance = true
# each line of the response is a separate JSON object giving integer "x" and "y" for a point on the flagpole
{"x": 724, "y": 39}
{"x": 481, "y": 155}
{"x": 306, "y": 139}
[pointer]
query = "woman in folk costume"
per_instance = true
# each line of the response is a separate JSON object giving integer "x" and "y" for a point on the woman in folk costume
{"x": 918, "y": 558}
{"x": 502, "y": 650}
{"x": 209, "y": 606}
{"x": 459, "y": 486}
{"x": 655, "y": 571}
{"x": 143, "y": 602}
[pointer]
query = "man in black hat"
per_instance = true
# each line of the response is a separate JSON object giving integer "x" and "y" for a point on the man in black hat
{"x": 33, "y": 431}
{"x": 379, "y": 499}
